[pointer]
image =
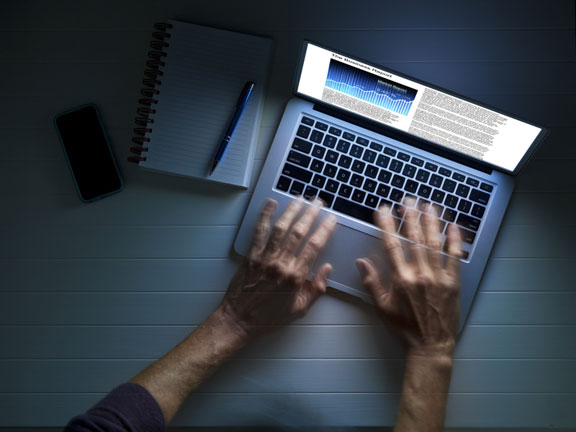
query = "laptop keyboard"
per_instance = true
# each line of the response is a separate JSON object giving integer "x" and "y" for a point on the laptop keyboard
{"x": 354, "y": 176}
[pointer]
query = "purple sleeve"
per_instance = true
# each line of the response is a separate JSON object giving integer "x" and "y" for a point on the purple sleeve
{"x": 127, "y": 408}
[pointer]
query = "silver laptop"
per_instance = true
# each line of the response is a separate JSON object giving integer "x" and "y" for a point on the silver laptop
{"x": 358, "y": 136}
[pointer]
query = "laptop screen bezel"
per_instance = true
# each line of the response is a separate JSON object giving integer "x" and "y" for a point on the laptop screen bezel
{"x": 429, "y": 144}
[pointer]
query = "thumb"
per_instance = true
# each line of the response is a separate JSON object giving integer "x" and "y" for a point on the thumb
{"x": 370, "y": 277}
{"x": 312, "y": 289}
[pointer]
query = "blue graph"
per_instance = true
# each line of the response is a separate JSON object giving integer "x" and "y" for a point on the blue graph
{"x": 369, "y": 87}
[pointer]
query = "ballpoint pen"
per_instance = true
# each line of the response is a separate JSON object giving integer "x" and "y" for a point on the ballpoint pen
{"x": 241, "y": 104}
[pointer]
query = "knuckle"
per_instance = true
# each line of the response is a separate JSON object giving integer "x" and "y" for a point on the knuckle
{"x": 298, "y": 232}
{"x": 280, "y": 227}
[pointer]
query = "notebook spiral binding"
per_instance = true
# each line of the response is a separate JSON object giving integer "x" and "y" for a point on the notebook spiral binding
{"x": 151, "y": 81}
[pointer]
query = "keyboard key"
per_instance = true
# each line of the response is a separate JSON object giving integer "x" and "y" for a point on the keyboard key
{"x": 317, "y": 136}
{"x": 438, "y": 210}
{"x": 449, "y": 185}
{"x": 343, "y": 175}
{"x": 396, "y": 165}
{"x": 422, "y": 203}
{"x": 358, "y": 195}
{"x": 297, "y": 173}
{"x": 299, "y": 159}
{"x": 318, "y": 151}
{"x": 409, "y": 170}
{"x": 449, "y": 215}
{"x": 317, "y": 165}
{"x": 451, "y": 201}
{"x": 411, "y": 186}
{"x": 479, "y": 197}
{"x": 467, "y": 236}
{"x": 321, "y": 126}
{"x": 404, "y": 156}
{"x": 398, "y": 211}
{"x": 335, "y": 131}
{"x": 472, "y": 182}
{"x": 462, "y": 190}
{"x": 371, "y": 171}
{"x": 382, "y": 161}
{"x": 385, "y": 176}
{"x": 332, "y": 156}
{"x": 332, "y": 186}
{"x": 356, "y": 151}
{"x": 468, "y": 222}
{"x": 464, "y": 206}
{"x": 417, "y": 162}
{"x": 303, "y": 131}
{"x": 435, "y": 180}
{"x": 356, "y": 180}
{"x": 431, "y": 167}
{"x": 369, "y": 185}
{"x": 396, "y": 195}
{"x": 319, "y": 181}
{"x": 369, "y": 156}
{"x": 330, "y": 170}
{"x": 389, "y": 151}
{"x": 478, "y": 211}
{"x": 283, "y": 184}
{"x": 352, "y": 209}
{"x": 362, "y": 141}
{"x": 424, "y": 191}
{"x": 358, "y": 166}
{"x": 330, "y": 141}
{"x": 438, "y": 196}
{"x": 348, "y": 136}
{"x": 458, "y": 177}
{"x": 376, "y": 146}
{"x": 345, "y": 191}
{"x": 301, "y": 145}
{"x": 486, "y": 187}
{"x": 372, "y": 201}
{"x": 310, "y": 192}
{"x": 297, "y": 188}
{"x": 326, "y": 197}
{"x": 422, "y": 175}
{"x": 344, "y": 161}
{"x": 445, "y": 172}
{"x": 383, "y": 190}
{"x": 307, "y": 121}
{"x": 343, "y": 146}
{"x": 397, "y": 181}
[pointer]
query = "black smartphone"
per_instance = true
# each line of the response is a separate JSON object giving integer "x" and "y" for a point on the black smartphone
{"x": 88, "y": 152}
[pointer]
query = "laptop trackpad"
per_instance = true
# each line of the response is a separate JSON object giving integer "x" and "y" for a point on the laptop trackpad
{"x": 344, "y": 247}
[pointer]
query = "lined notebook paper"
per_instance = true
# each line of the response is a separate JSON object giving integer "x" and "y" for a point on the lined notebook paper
{"x": 204, "y": 73}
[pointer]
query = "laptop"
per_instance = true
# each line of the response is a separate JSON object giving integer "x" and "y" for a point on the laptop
{"x": 359, "y": 136}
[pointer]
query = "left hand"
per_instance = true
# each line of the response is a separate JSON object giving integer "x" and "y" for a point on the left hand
{"x": 270, "y": 287}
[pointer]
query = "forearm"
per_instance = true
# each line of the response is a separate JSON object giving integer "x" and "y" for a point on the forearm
{"x": 424, "y": 393}
{"x": 171, "y": 379}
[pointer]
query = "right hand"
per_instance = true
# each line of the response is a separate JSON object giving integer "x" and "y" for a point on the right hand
{"x": 422, "y": 300}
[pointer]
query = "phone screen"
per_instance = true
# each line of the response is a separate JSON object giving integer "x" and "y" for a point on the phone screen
{"x": 89, "y": 156}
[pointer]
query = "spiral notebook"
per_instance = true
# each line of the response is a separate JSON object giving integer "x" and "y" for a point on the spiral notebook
{"x": 193, "y": 78}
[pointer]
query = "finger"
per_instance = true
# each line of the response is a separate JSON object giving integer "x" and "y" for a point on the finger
{"x": 371, "y": 278}
{"x": 316, "y": 243}
{"x": 433, "y": 237}
{"x": 262, "y": 228}
{"x": 414, "y": 233}
{"x": 301, "y": 228}
{"x": 454, "y": 251}
{"x": 311, "y": 290}
{"x": 283, "y": 224}
{"x": 390, "y": 242}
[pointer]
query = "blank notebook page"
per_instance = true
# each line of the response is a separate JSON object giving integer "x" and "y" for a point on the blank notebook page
{"x": 204, "y": 74}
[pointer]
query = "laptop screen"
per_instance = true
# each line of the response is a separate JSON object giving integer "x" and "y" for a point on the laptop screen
{"x": 412, "y": 107}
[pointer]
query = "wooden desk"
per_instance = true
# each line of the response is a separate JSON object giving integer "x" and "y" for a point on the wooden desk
{"x": 92, "y": 293}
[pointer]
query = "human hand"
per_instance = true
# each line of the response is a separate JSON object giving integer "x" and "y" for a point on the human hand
{"x": 270, "y": 287}
{"x": 422, "y": 299}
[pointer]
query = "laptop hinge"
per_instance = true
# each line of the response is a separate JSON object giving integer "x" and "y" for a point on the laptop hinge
{"x": 402, "y": 136}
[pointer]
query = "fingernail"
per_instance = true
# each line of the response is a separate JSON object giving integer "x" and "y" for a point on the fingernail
{"x": 384, "y": 210}
{"x": 360, "y": 266}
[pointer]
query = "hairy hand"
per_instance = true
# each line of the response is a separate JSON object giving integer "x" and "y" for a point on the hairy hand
{"x": 422, "y": 299}
{"x": 270, "y": 287}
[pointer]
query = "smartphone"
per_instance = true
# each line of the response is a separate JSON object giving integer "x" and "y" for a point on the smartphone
{"x": 88, "y": 152}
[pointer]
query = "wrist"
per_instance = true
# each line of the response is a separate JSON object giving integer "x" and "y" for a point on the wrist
{"x": 443, "y": 351}
{"x": 227, "y": 328}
